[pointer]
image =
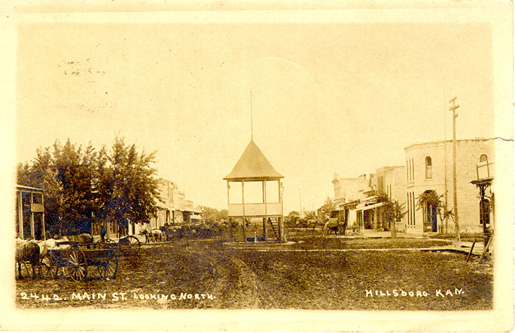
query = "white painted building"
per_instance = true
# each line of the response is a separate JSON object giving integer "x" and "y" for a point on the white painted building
{"x": 429, "y": 167}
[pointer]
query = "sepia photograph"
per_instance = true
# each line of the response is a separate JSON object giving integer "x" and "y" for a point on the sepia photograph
{"x": 257, "y": 166}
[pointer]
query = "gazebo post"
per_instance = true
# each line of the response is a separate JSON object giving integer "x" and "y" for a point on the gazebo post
{"x": 243, "y": 209}
{"x": 266, "y": 212}
{"x": 280, "y": 219}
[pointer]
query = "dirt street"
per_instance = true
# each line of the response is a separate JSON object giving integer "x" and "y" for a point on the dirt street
{"x": 191, "y": 274}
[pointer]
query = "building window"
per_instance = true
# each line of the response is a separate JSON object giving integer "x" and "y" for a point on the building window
{"x": 413, "y": 222}
{"x": 412, "y": 169}
{"x": 429, "y": 168}
{"x": 410, "y": 208}
{"x": 483, "y": 158}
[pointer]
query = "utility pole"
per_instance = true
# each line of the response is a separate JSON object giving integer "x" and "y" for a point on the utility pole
{"x": 446, "y": 200}
{"x": 453, "y": 108}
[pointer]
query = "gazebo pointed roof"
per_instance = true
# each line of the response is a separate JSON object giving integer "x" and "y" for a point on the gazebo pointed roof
{"x": 253, "y": 165}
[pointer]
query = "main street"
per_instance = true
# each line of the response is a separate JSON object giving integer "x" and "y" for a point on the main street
{"x": 206, "y": 273}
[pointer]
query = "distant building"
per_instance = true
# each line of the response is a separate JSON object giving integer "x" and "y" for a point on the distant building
{"x": 352, "y": 189}
{"x": 30, "y": 213}
{"x": 391, "y": 180}
{"x": 191, "y": 213}
{"x": 429, "y": 169}
{"x": 355, "y": 199}
{"x": 173, "y": 208}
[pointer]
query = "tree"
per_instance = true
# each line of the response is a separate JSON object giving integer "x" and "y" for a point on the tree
{"x": 326, "y": 209}
{"x": 223, "y": 214}
{"x": 430, "y": 197}
{"x": 127, "y": 185}
{"x": 65, "y": 174}
{"x": 310, "y": 215}
{"x": 213, "y": 214}
{"x": 81, "y": 185}
{"x": 293, "y": 213}
{"x": 393, "y": 211}
{"x": 74, "y": 170}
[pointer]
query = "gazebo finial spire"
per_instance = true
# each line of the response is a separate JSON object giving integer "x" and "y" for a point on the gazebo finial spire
{"x": 251, "y": 124}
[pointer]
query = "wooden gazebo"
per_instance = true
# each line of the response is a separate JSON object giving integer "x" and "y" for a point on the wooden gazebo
{"x": 251, "y": 169}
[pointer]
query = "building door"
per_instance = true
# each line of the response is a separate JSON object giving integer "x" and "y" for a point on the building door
{"x": 431, "y": 219}
{"x": 434, "y": 219}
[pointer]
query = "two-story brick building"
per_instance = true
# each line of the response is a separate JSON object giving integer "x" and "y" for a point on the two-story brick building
{"x": 429, "y": 167}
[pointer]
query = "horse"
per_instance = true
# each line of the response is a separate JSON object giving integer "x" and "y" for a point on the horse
{"x": 27, "y": 251}
{"x": 338, "y": 228}
{"x": 148, "y": 235}
{"x": 45, "y": 245}
{"x": 83, "y": 239}
{"x": 157, "y": 235}
{"x": 153, "y": 235}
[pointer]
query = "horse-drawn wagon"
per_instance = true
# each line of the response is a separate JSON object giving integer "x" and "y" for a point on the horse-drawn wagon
{"x": 336, "y": 223}
{"x": 74, "y": 260}
{"x": 76, "y": 255}
{"x": 128, "y": 245}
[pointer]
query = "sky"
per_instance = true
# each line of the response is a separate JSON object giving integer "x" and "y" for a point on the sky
{"x": 327, "y": 98}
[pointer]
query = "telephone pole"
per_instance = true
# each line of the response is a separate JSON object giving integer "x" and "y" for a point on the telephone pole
{"x": 453, "y": 108}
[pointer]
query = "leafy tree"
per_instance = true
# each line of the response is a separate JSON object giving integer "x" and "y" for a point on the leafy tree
{"x": 223, "y": 214}
{"x": 393, "y": 211}
{"x": 72, "y": 183}
{"x": 292, "y": 217}
{"x": 432, "y": 198}
{"x": 213, "y": 214}
{"x": 293, "y": 213}
{"x": 127, "y": 186}
{"x": 81, "y": 185}
{"x": 310, "y": 215}
{"x": 65, "y": 174}
{"x": 326, "y": 209}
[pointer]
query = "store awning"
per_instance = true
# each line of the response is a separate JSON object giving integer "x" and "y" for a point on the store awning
{"x": 379, "y": 204}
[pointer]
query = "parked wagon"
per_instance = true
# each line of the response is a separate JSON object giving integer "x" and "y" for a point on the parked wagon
{"x": 127, "y": 245}
{"x": 75, "y": 261}
{"x": 336, "y": 223}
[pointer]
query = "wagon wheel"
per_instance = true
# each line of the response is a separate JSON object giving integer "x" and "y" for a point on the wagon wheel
{"x": 108, "y": 268}
{"x": 25, "y": 266}
{"x": 49, "y": 266}
{"x": 76, "y": 265}
{"x": 130, "y": 245}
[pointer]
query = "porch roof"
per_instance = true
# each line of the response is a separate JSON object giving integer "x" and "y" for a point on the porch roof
{"x": 379, "y": 204}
